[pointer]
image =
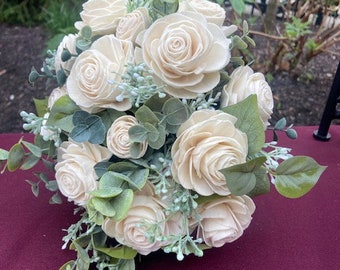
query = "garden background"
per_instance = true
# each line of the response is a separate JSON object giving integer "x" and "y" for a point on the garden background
{"x": 284, "y": 31}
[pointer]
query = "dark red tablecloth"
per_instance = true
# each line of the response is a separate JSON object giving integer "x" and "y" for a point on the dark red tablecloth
{"x": 284, "y": 234}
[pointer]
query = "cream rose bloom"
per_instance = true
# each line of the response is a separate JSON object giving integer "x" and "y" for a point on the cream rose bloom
{"x": 88, "y": 84}
{"x": 206, "y": 143}
{"x": 145, "y": 211}
{"x": 69, "y": 43}
{"x": 243, "y": 83}
{"x": 185, "y": 53}
{"x": 102, "y": 15}
{"x": 55, "y": 95}
{"x": 117, "y": 138}
{"x": 75, "y": 173}
{"x": 224, "y": 220}
{"x": 132, "y": 24}
{"x": 213, "y": 12}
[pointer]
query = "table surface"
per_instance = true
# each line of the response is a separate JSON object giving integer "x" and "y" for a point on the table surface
{"x": 284, "y": 234}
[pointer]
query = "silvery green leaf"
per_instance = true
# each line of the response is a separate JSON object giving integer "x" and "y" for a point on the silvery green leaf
{"x": 249, "y": 121}
{"x": 138, "y": 133}
{"x": 241, "y": 179}
{"x": 15, "y": 157}
{"x": 281, "y": 124}
{"x": 297, "y": 175}
{"x": 175, "y": 111}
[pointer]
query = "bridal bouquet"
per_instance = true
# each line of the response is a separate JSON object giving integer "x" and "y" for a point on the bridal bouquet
{"x": 156, "y": 132}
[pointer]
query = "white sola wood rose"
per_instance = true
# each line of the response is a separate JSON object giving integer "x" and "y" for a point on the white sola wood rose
{"x": 206, "y": 143}
{"x": 75, "y": 173}
{"x": 185, "y": 53}
{"x": 89, "y": 83}
{"x": 147, "y": 210}
{"x": 117, "y": 139}
{"x": 132, "y": 24}
{"x": 213, "y": 12}
{"x": 102, "y": 15}
{"x": 245, "y": 82}
{"x": 223, "y": 220}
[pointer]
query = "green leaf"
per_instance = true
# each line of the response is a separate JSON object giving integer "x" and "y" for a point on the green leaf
{"x": 62, "y": 108}
{"x": 239, "y": 6}
{"x": 281, "y": 124}
{"x": 104, "y": 206}
{"x": 15, "y": 157}
{"x": 239, "y": 43}
{"x": 35, "y": 150}
{"x": 122, "y": 252}
{"x": 3, "y": 154}
{"x": 52, "y": 185}
{"x": 40, "y": 106}
{"x": 157, "y": 142}
{"x": 108, "y": 116}
{"x": 112, "y": 179}
{"x": 107, "y": 192}
{"x": 30, "y": 161}
{"x": 101, "y": 167}
{"x": 145, "y": 115}
{"x": 297, "y": 175}
{"x": 164, "y": 7}
{"x": 83, "y": 261}
{"x": 87, "y": 128}
{"x": 139, "y": 178}
{"x": 56, "y": 199}
{"x": 242, "y": 178}
{"x": 249, "y": 121}
{"x": 291, "y": 133}
{"x": 175, "y": 111}
{"x": 138, "y": 133}
{"x": 122, "y": 204}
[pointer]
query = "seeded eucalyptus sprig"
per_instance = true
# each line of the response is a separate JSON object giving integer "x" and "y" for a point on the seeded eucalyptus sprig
{"x": 281, "y": 125}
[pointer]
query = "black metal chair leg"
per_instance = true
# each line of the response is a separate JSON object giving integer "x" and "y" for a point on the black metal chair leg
{"x": 330, "y": 112}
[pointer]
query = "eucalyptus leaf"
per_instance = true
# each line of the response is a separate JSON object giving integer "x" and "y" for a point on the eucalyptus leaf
{"x": 3, "y": 154}
{"x": 159, "y": 142}
{"x": 281, "y": 124}
{"x": 35, "y": 150}
{"x": 55, "y": 199}
{"x": 83, "y": 261}
{"x": 112, "y": 179}
{"x": 52, "y": 185}
{"x": 62, "y": 108}
{"x": 15, "y": 157}
{"x": 153, "y": 133}
{"x": 175, "y": 111}
{"x": 137, "y": 133}
{"x": 145, "y": 115}
{"x": 291, "y": 133}
{"x": 296, "y": 176}
{"x": 104, "y": 206}
{"x": 135, "y": 150}
{"x": 107, "y": 192}
{"x": 40, "y": 106}
{"x": 242, "y": 178}
{"x": 101, "y": 167}
{"x": 123, "y": 166}
{"x": 29, "y": 162}
{"x": 108, "y": 116}
{"x": 122, "y": 252}
{"x": 139, "y": 178}
{"x": 249, "y": 121}
{"x": 122, "y": 204}
{"x": 87, "y": 127}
